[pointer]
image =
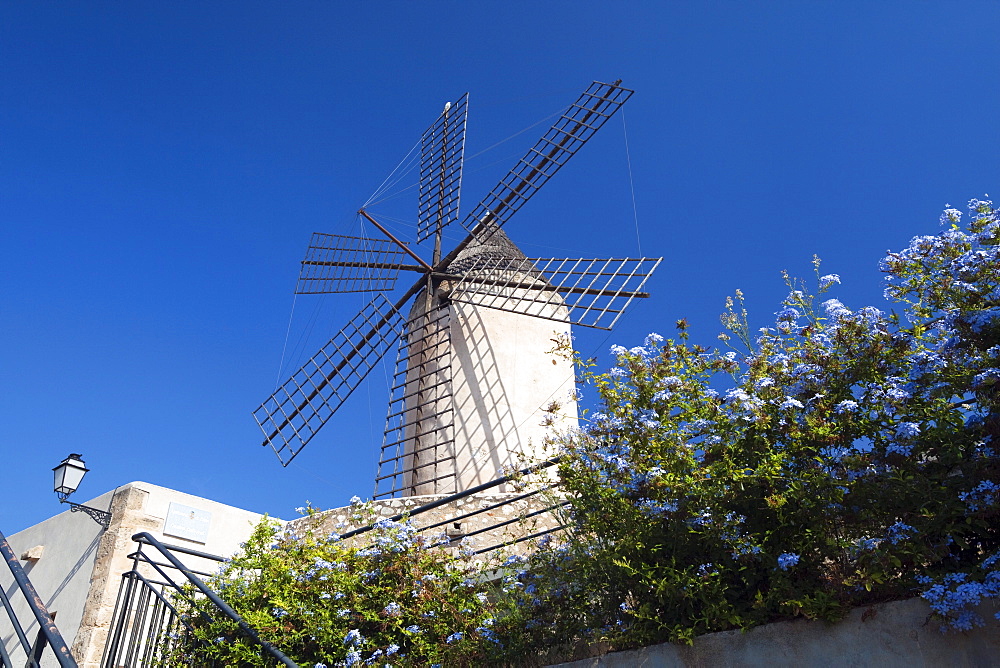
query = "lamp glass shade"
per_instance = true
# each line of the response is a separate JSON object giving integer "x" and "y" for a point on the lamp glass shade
{"x": 69, "y": 473}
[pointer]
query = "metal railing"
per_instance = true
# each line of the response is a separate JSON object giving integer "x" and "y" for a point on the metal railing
{"x": 48, "y": 635}
{"x": 146, "y": 619}
{"x": 479, "y": 489}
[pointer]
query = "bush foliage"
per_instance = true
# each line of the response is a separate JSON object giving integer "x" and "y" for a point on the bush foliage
{"x": 395, "y": 598}
{"x": 839, "y": 457}
{"x": 842, "y": 457}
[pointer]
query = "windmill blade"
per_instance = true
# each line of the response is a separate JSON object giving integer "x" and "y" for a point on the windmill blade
{"x": 560, "y": 143}
{"x": 337, "y": 263}
{"x": 304, "y": 403}
{"x": 442, "y": 153}
{"x": 592, "y": 293}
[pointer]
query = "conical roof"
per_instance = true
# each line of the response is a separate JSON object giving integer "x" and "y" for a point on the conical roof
{"x": 490, "y": 245}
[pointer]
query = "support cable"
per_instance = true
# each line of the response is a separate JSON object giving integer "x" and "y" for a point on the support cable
{"x": 631, "y": 184}
{"x": 378, "y": 191}
{"x": 382, "y": 195}
{"x": 284, "y": 347}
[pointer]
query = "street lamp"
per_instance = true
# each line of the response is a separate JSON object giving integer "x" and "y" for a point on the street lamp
{"x": 66, "y": 478}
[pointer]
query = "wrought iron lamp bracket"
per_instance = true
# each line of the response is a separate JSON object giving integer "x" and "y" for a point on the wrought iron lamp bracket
{"x": 102, "y": 517}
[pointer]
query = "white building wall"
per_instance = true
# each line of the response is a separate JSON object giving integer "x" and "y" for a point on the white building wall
{"x": 80, "y": 569}
{"x": 69, "y": 543}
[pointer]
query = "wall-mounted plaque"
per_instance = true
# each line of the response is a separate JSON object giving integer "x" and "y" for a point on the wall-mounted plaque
{"x": 187, "y": 522}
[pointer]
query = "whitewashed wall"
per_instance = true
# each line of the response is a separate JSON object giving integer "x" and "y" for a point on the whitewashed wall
{"x": 81, "y": 565}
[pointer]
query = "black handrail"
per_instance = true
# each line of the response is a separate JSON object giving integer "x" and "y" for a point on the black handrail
{"x": 48, "y": 627}
{"x": 461, "y": 495}
{"x": 181, "y": 549}
{"x": 147, "y": 539}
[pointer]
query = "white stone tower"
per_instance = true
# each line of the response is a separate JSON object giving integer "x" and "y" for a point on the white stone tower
{"x": 483, "y": 387}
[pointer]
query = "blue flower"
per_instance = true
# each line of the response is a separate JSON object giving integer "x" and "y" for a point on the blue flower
{"x": 907, "y": 429}
{"x": 454, "y": 637}
{"x": 897, "y": 394}
{"x": 787, "y": 314}
{"x": 984, "y": 494}
{"x": 864, "y": 545}
{"x": 746, "y": 401}
{"x": 671, "y": 382}
{"x": 899, "y": 532}
{"x": 846, "y": 406}
{"x": 653, "y": 339}
{"x": 986, "y": 377}
{"x": 353, "y": 638}
{"x": 787, "y": 560}
{"x": 763, "y": 382}
{"x": 790, "y": 403}
{"x": 654, "y": 508}
{"x": 950, "y": 216}
{"x": 391, "y": 649}
{"x": 828, "y": 280}
{"x": 648, "y": 418}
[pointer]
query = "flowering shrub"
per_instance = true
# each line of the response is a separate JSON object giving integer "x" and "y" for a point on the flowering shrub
{"x": 839, "y": 457}
{"x": 392, "y": 599}
{"x": 843, "y": 457}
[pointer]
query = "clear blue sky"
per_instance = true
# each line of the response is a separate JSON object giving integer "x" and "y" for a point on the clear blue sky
{"x": 162, "y": 166}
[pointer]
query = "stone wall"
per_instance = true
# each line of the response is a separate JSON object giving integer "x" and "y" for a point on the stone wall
{"x": 901, "y": 633}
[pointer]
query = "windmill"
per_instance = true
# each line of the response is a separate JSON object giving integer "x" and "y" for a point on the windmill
{"x": 451, "y": 413}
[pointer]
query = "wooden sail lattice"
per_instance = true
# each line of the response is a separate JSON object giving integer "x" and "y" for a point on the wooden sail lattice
{"x": 306, "y": 401}
{"x": 337, "y": 263}
{"x": 592, "y": 293}
{"x": 559, "y": 143}
{"x": 442, "y": 153}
